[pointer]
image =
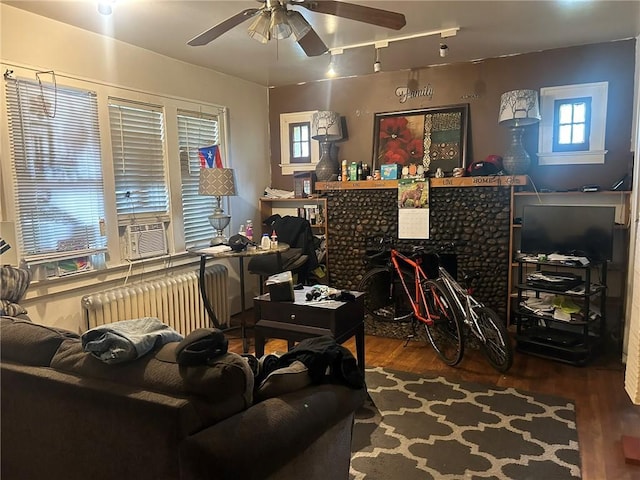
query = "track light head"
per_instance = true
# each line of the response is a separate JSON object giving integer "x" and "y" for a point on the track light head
{"x": 377, "y": 65}
{"x": 444, "y": 50}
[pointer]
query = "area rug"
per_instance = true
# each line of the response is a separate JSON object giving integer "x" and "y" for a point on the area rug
{"x": 427, "y": 427}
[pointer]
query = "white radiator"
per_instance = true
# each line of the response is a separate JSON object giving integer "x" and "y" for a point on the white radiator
{"x": 175, "y": 300}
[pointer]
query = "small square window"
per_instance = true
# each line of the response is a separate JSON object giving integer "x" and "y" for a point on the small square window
{"x": 297, "y": 150}
{"x": 299, "y": 140}
{"x": 571, "y": 124}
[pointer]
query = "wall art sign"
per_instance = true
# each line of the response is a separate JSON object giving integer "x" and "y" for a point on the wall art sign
{"x": 433, "y": 137}
{"x": 405, "y": 93}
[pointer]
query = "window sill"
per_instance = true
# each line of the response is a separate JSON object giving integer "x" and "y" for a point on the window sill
{"x": 571, "y": 158}
{"x": 291, "y": 168}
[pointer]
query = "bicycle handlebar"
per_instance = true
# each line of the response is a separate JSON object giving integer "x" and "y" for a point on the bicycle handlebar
{"x": 387, "y": 243}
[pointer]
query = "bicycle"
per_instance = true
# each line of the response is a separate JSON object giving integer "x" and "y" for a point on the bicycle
{"x": 441, "y": 304}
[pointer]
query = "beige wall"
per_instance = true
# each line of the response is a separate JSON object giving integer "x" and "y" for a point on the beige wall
{"x": 35, "y": 42}
{"x": 480, "y": 85}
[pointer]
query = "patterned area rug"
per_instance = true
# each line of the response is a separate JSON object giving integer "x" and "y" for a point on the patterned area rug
{"x": 422, "y": 428}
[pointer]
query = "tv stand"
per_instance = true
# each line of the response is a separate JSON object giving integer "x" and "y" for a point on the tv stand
{"x": 571, "y": 338}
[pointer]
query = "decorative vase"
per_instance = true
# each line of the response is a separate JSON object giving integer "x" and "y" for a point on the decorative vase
{"x": 327, "y": 169}
{"x": 516, "y": 160}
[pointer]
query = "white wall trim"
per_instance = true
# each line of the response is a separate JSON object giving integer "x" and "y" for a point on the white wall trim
{"x": 548, "y": 95}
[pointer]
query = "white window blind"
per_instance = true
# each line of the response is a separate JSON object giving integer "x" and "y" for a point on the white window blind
{"x": 137, "y": 142}
{"x": 195, "y": 130}
{"x": 57, "y": 175}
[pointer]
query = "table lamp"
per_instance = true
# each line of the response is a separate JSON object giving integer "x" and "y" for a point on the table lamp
{"x": 518, "y": 108}
{"x": 217, "y": 182}
{"x": 327, "y": 129}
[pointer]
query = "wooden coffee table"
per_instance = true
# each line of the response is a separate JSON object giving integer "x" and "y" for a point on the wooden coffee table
{"x": 301, "y": 319}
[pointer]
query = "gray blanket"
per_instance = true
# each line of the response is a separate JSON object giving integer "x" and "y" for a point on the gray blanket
{"x": 127, "y": 340}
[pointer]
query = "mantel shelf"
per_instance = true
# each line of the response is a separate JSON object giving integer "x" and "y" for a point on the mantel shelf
{"x": 492, "y": 181}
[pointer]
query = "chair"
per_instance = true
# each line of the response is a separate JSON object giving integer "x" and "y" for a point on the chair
{"x": 300, "y": 259}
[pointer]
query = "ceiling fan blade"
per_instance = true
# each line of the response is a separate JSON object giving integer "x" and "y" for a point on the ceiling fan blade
{"x": 312, "y": 44}
{"x": 223, "y": 27}
{"x": 374, "y": 16}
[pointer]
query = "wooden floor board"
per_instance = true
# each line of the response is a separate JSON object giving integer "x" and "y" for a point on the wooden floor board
{"x": 604, "y": 412}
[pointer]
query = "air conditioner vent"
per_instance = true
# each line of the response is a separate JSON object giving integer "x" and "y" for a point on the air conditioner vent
{"x": 146, "y": 240}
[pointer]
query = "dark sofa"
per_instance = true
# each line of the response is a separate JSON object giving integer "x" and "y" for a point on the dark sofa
{"x": 66, "y": 415}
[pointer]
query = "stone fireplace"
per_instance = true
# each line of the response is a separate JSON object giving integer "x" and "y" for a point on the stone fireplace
{"x": 471, "y": 214}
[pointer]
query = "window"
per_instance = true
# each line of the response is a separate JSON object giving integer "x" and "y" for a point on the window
{"x": 300, "y": 142}
{"x": 137, "y": 143}
{"x": 571, "y": 124}
{"x": 57, "y": 172}
{"x": 298, "y": 152}
{"x": 572, "y": 129}
{"x": 195, "y": 130}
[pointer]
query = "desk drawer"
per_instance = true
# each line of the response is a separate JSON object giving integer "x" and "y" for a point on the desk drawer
{"x": 298, "y": 314}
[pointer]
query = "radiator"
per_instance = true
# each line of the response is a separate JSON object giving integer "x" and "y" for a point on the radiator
{"x": 175, "y": 300}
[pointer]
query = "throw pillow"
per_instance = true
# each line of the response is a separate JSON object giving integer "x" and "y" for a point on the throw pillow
{"x": 284, "y": 380}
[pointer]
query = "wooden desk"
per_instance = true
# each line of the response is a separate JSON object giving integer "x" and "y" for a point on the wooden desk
{"x": 300, "y": 319}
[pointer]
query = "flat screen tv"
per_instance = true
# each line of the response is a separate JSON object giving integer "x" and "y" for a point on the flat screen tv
{"x": 584, "y": 231}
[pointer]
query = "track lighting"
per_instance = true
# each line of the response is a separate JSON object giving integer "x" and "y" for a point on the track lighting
{"x": 444, "y": 50}
{"x": 377, "y": 65}
{"x": 331, "y": 71}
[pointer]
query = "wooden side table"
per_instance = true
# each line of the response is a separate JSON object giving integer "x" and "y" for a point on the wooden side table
{"x": 300, "y": 319}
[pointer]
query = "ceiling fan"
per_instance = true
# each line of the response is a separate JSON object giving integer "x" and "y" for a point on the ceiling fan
{"x": 275, "y": 20}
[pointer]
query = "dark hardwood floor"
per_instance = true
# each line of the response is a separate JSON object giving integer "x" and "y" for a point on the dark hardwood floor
{"x": 604, "y": 411}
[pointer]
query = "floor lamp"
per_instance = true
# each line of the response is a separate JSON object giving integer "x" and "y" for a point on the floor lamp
{"x": 218, "y": 182}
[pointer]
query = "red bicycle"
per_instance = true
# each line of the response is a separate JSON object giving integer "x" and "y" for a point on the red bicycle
{"x": 399, "y": 290}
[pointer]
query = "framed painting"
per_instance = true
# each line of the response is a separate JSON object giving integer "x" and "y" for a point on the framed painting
{"x": 430, "y": 137}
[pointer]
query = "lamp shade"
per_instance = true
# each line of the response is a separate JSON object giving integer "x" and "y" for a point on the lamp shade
{"x": 326, "y": 126}
{"x": 217, "y": 182}
{"x": 519, "y": 108}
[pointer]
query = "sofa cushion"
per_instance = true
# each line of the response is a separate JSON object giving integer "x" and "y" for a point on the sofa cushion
{"x": 223, "y": 387}
{"x": 29, "y": 343}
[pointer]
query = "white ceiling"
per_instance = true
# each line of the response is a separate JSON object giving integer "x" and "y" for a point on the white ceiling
{"x": 487, "y": 29}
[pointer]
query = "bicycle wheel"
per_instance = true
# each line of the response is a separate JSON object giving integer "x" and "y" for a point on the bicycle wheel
{"x": 497, "y": 345}
{"x": 445, "y": 334}
{"x": 383, "y": 301}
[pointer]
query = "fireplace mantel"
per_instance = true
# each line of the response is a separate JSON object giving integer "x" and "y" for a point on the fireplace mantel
{"x": 480, "y": 181}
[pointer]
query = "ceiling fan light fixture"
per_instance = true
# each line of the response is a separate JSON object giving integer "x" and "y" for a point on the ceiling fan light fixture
{"x": 299, "y": 26}
{"x": 259, "y": 28}
{"x": 280, "y": 28}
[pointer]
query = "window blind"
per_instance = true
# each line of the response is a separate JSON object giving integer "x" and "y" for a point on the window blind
{"x": 137, "y": 142}
{"x": 57, "y": 173}
{"x": 195, "y": 130}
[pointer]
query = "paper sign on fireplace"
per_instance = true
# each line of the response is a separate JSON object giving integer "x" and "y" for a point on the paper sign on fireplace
{"x": 413, "y": 208}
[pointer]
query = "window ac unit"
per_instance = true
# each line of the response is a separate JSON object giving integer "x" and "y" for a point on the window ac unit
{"x": 147, "y": 240}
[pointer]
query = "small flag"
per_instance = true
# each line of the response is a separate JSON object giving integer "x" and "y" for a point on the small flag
{"x": 209, "y": 155}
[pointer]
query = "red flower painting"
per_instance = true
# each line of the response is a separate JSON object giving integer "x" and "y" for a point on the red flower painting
{"x": 400, "y": 141}
{"x": 430, "y": 138}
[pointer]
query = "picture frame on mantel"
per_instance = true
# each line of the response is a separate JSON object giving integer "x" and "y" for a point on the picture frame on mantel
{"x": 435, "y": 137}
